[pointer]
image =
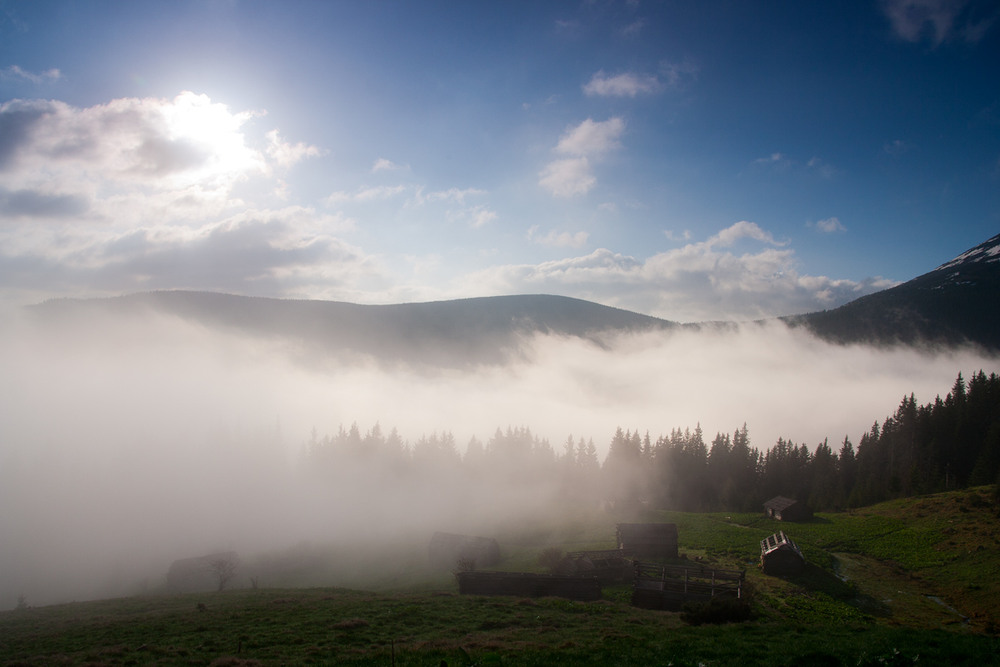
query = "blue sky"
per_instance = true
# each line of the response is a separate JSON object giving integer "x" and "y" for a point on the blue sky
{"x": 687, "y": 160}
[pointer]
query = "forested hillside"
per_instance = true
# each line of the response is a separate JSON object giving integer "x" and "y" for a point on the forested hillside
{"x": 951, "y": 443}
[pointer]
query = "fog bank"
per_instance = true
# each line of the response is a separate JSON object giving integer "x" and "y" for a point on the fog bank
{"x": 131, "y": 445}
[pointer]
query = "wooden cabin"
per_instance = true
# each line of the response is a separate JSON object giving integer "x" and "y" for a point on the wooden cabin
{"x": 779, "y": 555}
{"x": 670, "y": 587}
{"x": 648, "y": 540}
{"x": 448, "y": 550}
{"x": 527, "y": 584}
{"x": 787, "y": 509}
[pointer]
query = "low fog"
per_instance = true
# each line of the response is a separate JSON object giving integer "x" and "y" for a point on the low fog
{"x": 124, "y": 448}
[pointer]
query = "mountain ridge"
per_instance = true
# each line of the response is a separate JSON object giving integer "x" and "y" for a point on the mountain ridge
{"x": 951, "y": 305}
{"x": 954, "y": 304}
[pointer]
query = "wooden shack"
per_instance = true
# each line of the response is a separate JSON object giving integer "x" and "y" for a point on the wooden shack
{"x": 648, "y": 540}
{"x": 779, "y": 555}
{"x": 787, "y": 509}
{"x": 527, "y": 584}
{"x": 608, "y": 566}
{"x": 448, "y": 550}
{"x": 670, "y": 587}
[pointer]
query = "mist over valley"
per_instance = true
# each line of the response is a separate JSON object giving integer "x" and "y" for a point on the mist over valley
{"x": 139, "y": 431}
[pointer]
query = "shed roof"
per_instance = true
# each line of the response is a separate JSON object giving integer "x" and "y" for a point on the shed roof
{"x": 780, "y": 503}
{"x": 778, "y": 541}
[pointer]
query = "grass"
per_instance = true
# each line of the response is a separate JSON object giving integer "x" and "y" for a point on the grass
{"x": 896, "y": 584}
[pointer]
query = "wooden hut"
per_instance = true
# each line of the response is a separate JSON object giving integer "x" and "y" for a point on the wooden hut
{"x": 648, "y": 540}
{"x": 787, "y": 509}
{"x": 448, "y": 550}
{"x": 527, "y": 584}
{"x": 779, "y": 555}
{"x": 670, "y": 587}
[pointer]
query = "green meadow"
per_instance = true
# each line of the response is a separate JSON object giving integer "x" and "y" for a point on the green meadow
{"x": 911, "y": 582}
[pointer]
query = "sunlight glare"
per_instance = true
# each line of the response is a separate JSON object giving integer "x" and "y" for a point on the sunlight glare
{"x": 212, "y": 128}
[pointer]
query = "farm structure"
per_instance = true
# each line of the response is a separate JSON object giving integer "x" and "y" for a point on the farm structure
{"x": 607, "y": 566}
{"x": 526, "y": 584}
{"x": 787, "y": 509}
{"x": 670, "y": 587}
{"x": 648, "y": 540}
{"x": 779, "y": 555}
{"x": 448, "y": 550}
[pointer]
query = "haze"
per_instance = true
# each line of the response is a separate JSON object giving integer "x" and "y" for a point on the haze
{"x": 146, "y": 441}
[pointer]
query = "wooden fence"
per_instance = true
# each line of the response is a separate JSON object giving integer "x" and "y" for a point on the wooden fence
{"x": 671, "y": 586}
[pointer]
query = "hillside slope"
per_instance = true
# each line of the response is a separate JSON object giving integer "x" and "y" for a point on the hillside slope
{"x": 450, "y": 333}
{"x": 954, "y": 304}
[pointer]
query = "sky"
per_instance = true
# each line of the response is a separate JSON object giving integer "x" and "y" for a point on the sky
{"x": 692, "y": 161}
{"x": 689, "y": 160}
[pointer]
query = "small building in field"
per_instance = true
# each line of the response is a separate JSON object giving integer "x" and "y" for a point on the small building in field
{"x": 648, "y": 540}
{"x": 448, "y": 550}
{"x": 787, "y": 509}
{"x": 779, "y": 555}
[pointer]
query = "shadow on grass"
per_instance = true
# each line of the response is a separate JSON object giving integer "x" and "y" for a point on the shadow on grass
{"x": 817, "y": 579}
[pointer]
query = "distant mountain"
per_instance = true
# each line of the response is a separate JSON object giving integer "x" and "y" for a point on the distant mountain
{"x": 956, "y": 303}
{"x": 445, "y": 333}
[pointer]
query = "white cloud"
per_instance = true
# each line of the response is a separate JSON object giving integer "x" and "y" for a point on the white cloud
{"x": 382, "y": 164}
{"x": 589, "y": 140}
{"x": 697, "y": 282}
{"x": 13, "y": 72}
{"x": 633, "y": 28}
{"x": 565, "y": 178}
{"x": 286, "y": 154}
{"x": 675, "y": 74}
{"x": 134, "y": 159}
{"x": 288, "y": 251}
{"x": 558, "y": 239}
{"x": 455, "y": 195}
{"x": 480, "y": 216}
{"x": 366, "y": 194}
{"x": 621, "y": 85}
{"x": 774, "y": 160}
{"x": 939, "y": 20}
{"x": 830, "y": 225}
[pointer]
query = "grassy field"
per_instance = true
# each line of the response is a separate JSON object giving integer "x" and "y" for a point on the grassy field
{"x": 905, "y": 583}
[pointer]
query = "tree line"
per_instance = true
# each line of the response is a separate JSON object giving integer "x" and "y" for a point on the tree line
{"x": 951, "y": 443}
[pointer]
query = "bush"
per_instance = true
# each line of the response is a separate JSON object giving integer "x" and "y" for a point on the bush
{"x": 717, "y": 610}
{"x": 550, "y": 558}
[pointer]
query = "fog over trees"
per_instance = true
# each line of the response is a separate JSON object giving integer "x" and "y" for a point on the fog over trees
{"x": 130, "y": 444}
{"x": 950, "y": 443}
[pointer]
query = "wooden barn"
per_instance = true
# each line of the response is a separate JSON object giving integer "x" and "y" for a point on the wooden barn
{"x": 448, "y": 550}
{"x": 648, "y": 540}
{"x": 779, "y": 555}
{"x": 607, "y": 566}
{"x": 787, "y": 509}
{"x": 670, "y": 587}
{"x": 526, "y": 584}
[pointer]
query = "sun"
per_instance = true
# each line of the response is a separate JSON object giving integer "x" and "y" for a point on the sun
{"x": 216, "y": 136}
